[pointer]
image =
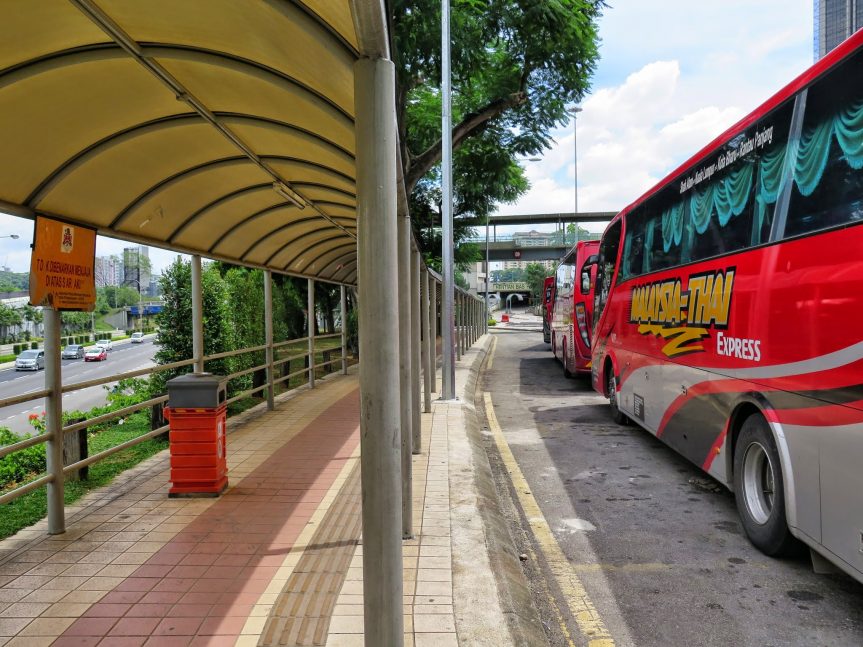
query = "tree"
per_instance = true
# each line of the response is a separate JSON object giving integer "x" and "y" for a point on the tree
{"x": 517, "y": 65}
{"x": 9, "y": 318}
{"x": 535, "y": 276}
{"x": 175, "y": 321}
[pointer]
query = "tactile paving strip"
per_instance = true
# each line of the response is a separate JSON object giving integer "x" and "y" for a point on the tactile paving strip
{"x": 302, "y": 612}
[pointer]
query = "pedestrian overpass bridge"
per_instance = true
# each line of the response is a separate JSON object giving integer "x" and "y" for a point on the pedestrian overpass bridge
{"x": 534, "y": 246}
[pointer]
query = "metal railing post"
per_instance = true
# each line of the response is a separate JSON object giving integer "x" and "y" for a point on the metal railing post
{"x": 197, "y": 316}
{"x": 311, "y": 325}
{"x": 380, "y": 456}
{"x": 404, "y": 297}
{"x": 427, "y": 342}
{"x": 54, "y": 422}
{"x": 268, "y": 338}
{"x": 344, "y": 307}
{"x": 416, "y": 423}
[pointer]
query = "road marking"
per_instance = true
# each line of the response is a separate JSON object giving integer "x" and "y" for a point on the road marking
{"x": 491, "y": 355}
{"x": 580, "y": 605}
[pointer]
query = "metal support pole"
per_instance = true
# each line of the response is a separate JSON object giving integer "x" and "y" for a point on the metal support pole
{"x": 433, "y": 335}
{"x": 427, "y": 348}
{"x": 344, "y": 307}
{"x": 416, "y": 342}
{"x": 54, "y": 422}
{"x": 197, "y": 316}
{"x": 405, "y": 375}
{"x": 448, "y": 294}
{"x": 268, "y": 338}
{"x": 380, "y": 455}
{"x": 486, "y": 271}
{"x": 311, "y": 324}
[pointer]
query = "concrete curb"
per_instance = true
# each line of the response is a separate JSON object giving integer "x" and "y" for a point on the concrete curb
{"x": 523, "y": 620}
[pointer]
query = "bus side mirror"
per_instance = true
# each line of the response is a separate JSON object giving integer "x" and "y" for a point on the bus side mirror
{"x": 585, "y": 273}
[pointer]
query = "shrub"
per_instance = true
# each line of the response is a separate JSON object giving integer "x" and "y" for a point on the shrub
{"x": 492, "y": 322}
{"x": 21, "y": 464}
{"x": 16, "y": 348}
{"x": 34, "y": 345}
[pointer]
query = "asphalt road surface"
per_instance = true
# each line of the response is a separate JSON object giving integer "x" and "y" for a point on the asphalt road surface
{"x": 655, "y": 542}
{"x": 124, "y": 357}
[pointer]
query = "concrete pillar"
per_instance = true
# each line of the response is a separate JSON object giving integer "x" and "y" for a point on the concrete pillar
{"x": 416, "y": 342}
{"x": 459, "y": 311}
{"x": 311, "y": 324}
{"x": 433, "y": 334}
{"x": 268, "y": 338}
{"x": 344, "y": 307}
{"x": 427, "y": 348}
{"x": 405, "y": 376}
{"x": 380, "y": 422}
{"x": 197, "y": 316}
{"x": 54, "y": 422}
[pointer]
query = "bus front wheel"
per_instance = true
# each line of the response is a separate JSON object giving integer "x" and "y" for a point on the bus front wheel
{"x": 759, "y": 489}
{"x": 616, "y": 414}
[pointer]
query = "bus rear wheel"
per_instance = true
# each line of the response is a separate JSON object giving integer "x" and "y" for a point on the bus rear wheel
{"x": 616, "y": 414}
{"x": 759, "y": 489}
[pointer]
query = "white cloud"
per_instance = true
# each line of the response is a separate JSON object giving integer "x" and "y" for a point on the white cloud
{"x": 674, "y": 75}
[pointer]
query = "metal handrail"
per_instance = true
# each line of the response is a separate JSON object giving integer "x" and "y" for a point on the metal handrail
{"x": 23, "y": 444}
{"x": 24, "y": 489}
{"x": 119, "y": 413}
{"x": 158, "y": 368}
{"x": 24, "y": 397}
{"x": 234, "y": 353}
{"x": 329, "y": 336}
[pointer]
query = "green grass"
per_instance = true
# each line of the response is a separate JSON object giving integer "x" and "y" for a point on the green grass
{"x": 7, "y": 358}
{"x": 32, "y": 507}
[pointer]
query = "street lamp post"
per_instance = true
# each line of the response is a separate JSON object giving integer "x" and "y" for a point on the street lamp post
{"x": 574, "y": 111}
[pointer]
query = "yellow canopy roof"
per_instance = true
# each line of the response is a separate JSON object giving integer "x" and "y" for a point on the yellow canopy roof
{"x": 218, "y": 127}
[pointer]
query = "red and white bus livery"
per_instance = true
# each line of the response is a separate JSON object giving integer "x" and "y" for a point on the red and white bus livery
{"x": 728, "y": 308}
{"x": 572, "y": 310}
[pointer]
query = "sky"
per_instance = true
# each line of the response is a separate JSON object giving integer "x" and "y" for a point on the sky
{"x": 672, "y": 75}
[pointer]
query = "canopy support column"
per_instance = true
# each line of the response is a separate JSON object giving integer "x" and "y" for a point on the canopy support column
{"x": 54, "y": 423}
{"x": 197, "y": 316}
{"x": 311, "y": 325}
{"x": 427, "y": 348}
{"x": 268, "y": 338}
{"x": 405, "y": 375}
{"x": 380, "y": 420}
{"x": 433, "y": 334}
{"x": 416, "y": 341}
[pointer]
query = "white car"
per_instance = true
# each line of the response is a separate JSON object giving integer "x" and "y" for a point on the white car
{"x": 106, "y": 344}
{"x": 137, "y": 338}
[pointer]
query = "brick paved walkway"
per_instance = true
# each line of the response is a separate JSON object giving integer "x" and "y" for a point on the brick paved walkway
{"x": 276, "y": 560}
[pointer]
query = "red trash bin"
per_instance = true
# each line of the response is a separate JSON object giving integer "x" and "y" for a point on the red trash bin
{"x": 197, "y": 415}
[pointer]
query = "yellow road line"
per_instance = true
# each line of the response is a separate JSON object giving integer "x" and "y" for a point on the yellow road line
{"x": 580, "y": 605}
{"x": 491, "y": 354}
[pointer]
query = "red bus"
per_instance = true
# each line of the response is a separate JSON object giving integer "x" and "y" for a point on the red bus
{"x": 726, "y": 304}
{"x": 571, "y": 314}
{"x": 547, "y": 304}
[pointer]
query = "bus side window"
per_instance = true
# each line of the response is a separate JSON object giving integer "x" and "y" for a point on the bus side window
{"x": 605, "y": 271}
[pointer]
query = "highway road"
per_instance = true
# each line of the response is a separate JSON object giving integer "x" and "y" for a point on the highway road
{"x": 655, "y": 542}
{"x": 124, "y": 357}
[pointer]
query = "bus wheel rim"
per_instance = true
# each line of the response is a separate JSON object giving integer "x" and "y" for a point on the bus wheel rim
{"x": 758, "y": 483}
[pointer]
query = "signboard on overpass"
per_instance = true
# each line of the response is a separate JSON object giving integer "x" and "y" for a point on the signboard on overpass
{"x": 509, "y": 286}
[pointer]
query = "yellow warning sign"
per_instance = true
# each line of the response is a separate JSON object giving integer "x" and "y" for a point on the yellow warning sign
{"x": 62, "y": 266}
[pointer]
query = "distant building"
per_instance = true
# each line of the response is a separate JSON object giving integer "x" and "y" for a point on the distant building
{"x": 136, "y": 268}
{"x": 109, "y": 271}
{"x": 835, "y": 20}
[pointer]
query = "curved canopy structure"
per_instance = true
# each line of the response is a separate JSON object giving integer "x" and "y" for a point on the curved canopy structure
{"x": 214, "y": 127}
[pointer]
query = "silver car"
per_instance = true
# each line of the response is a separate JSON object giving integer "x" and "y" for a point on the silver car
{"x": 30, "y": 360}
{"x": 72, "y": 351}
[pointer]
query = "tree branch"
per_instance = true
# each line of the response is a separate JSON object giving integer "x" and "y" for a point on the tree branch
{"x": 472, "y": 122}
